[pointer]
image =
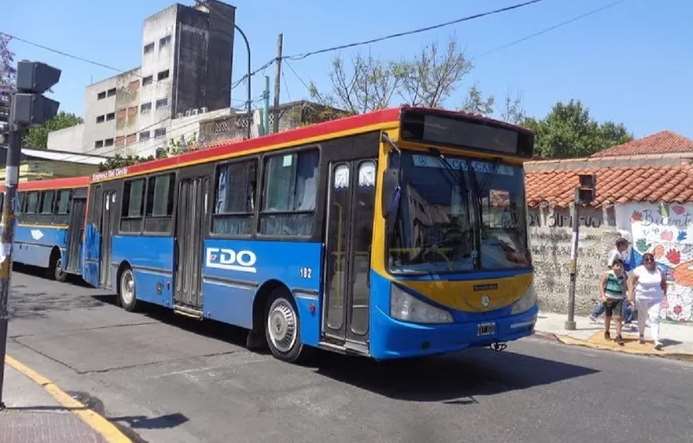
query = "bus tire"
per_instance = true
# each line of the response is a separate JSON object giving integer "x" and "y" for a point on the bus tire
{"x": 55, "y": 268}
{"x": 282, "y": 327}
{"x": 126, "y": 290}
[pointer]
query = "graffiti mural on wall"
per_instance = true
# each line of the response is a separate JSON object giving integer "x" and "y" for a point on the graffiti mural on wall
{"x": 667, "y": 232}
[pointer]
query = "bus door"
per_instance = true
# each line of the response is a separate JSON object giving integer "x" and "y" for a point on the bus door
{"x": 108, "y": 228}
{"x": 76, "y": 229}
{"x": 349, "y": 233}
{"x": 191, "y": 217}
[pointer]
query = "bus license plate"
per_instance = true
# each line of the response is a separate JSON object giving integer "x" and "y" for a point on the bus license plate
{"x": 486, "y": 329}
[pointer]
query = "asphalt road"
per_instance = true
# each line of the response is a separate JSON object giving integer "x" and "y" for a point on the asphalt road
{"x": 164, "y": 378}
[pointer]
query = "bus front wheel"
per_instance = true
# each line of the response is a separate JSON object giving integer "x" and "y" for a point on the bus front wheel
{"x": 126, "y": 290}
{"x": 282, "y": 328}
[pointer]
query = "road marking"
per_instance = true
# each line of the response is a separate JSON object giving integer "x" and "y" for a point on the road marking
{"x": 98, "y": 423}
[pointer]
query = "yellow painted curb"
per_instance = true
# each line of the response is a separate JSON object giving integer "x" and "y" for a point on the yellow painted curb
{"x": 624, "y": 349}
{"x": 94, "y": 420}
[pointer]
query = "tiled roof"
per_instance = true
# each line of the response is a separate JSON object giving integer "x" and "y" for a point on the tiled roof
{"x": 664, "y": 142}
{"x": 668, "y": 184}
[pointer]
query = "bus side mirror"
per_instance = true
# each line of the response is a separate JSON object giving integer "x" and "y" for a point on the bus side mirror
{"x": 391, "y": 192}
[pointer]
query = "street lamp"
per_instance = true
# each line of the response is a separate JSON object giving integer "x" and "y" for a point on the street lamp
{"x": 249, "y": 103}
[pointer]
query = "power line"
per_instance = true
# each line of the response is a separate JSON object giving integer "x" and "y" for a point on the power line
{"x": 414, "y": 31}
{"x": 550, "y": 28}
{"x": 304, "y": 55}
{"x": 63, "y": 53}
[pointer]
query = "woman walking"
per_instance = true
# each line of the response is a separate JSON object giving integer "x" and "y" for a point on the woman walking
{"x": 648, "y": 287}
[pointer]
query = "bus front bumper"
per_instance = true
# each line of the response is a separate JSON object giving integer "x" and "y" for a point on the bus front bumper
{"x": 398, "y": 339}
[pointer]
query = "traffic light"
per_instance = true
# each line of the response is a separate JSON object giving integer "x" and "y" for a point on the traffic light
{"x": 29, "y": 106}
{"x": 587, "y": 190}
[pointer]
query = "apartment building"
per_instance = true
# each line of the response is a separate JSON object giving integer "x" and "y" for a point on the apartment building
{"x": 186, "y": 66}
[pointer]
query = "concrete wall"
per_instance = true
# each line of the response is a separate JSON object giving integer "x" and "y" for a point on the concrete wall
{"x": 67, "y": 139}
{"x": 665, "y": 230}
{"x": 550, "y": 242}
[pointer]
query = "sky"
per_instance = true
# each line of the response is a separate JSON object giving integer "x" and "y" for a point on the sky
{"x": 631, "y": 63}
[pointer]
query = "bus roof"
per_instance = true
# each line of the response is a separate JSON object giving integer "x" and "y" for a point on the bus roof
{"x": 53, "y": 183}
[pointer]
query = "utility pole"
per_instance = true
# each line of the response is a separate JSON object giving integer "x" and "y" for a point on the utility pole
{"x": 249, "y": 102}
{"x": 277, "y": 79}
{"x": 28, "y": 107}
{"x": 266, "y": 106}
{"x": 585, "y": 194}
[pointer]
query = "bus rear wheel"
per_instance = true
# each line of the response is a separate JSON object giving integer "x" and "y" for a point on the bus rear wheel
{"x": 55, "y": 268}
{"x": 282, "y": 328}
{"x": 126, "y": 290}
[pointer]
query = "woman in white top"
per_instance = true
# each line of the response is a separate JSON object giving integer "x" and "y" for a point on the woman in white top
{"x": 648, "y": 287}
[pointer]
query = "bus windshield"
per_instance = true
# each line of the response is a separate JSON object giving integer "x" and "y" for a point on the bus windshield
{"x": 457, "y": 215}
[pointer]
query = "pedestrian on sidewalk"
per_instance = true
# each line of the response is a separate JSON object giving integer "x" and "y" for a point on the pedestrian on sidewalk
{"x": 621, "y": 252}
{"x": 613, "y": 287}
{"x": 648, "y": 288}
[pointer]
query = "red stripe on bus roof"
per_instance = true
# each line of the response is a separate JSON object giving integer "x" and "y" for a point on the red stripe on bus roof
{"x": 53, "y": 183}
{"x": 229, "y": 147}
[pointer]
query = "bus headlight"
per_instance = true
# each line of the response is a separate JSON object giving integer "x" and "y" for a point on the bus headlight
{"x": 528, "y": 299}
{"x": 408, "y": 308}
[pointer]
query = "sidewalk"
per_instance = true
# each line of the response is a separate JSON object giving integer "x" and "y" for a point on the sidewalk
{"x": 34, "y": 413}
{"x": 677, "y": 338}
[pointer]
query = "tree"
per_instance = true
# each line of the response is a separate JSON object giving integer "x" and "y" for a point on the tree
{"x": 513, "y": 111}
{"x": 119, "y": 161}
{"x": 37, "y": 136}
{"x": 7, "y": 70}
{"x": 368, "y": 84}
{"x": 476, "y": 104}
{"x": 432, "y": 76}
{"x": 569, "y": 131}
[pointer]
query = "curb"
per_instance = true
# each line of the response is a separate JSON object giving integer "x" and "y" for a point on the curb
{"x": 95, "y": 421}
{"x": 568, "y": 340}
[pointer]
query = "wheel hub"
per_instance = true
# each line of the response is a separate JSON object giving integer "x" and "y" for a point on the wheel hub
{"x": 128, "y": 287}
{"x": 281, "y": 324}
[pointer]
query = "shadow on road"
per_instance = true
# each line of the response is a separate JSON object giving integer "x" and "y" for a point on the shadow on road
{"x": 451, "y": 379}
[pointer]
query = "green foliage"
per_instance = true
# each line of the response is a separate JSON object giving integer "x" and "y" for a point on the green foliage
{"x": 475, "y": 103}
{"x": 119, "y": 161}
{"x": 37, "y": 137}
{"x": 569, "y": 131}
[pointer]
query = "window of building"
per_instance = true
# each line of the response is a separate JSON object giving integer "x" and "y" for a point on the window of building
{"x": 110, "y": 116}
{"x": 235, "y": 198}
{"x": 130, "y": 139}
{"x": 162, "y": 75}
{"x": 148, "y": 80}
{"x": 149, "y": 47}
{"x": 145, "y": 107}
{"x": 100, "y": 118}
{"x": 164, "y": 41}
{"x": 289, "y": 193}
{"x": 111, "y": 92}
{"x": 120, "y": 140}
{"x": 133, "y": 206}
{"x": 101, "y": 95}
{"x": 32, "y": 203}
{"x": 162, "y": 103}
{"x": 63, "y": 203}
{"x": 98, "y": 144}
{"x": 144, "y": 135}
{"x": 159, "y": 132}
{"x": 108, "y": 142}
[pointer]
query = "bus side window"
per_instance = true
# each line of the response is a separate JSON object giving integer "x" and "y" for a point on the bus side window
{"x": 133, "y": 206}
{"x": 62, "y": 204}
{"x": 159, "y": 203}
{"x": 235, "y": 198}
{"x": 290, "y": 187}
{"x": 32, "y": 203}
{"x": 47, "y": 202}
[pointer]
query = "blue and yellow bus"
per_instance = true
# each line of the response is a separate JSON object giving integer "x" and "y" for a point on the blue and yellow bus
{"x": 392, "y": 234}
{"x": 50, "y": 219}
